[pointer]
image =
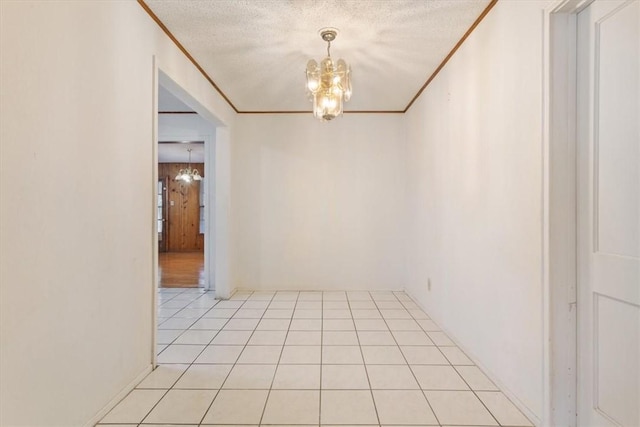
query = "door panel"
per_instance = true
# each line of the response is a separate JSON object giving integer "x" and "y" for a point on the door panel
{"x": 609, "y": 214}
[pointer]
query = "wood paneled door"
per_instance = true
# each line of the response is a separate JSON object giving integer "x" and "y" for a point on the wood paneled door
{"x": 183, "y": 230}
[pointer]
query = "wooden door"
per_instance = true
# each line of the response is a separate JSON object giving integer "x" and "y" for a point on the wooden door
{"x": 183, "y": 231}
{"x": 609, "y": 214}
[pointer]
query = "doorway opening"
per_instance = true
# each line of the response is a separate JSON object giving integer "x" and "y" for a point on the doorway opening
{"x": 181, "y": 211}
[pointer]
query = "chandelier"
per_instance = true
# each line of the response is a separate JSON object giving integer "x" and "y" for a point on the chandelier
{"x": 328, "y": 84}
{"x": 188, "y": 175}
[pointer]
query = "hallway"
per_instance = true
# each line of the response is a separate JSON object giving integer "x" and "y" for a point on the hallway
{"x": 308, "y": 358}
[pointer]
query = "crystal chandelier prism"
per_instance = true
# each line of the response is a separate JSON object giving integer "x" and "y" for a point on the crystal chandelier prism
{"x": 328, "y": 84}
{"x": 188, "y": 175}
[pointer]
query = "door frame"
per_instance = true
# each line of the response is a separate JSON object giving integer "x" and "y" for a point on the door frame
{"x": 560, "y": 212}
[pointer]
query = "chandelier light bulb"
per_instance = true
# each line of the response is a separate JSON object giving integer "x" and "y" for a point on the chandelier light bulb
{"x": 328, "y": 83}
{"x": 188, "y": 175}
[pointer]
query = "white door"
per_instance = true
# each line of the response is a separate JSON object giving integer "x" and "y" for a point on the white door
{"x": 609, "y": 214}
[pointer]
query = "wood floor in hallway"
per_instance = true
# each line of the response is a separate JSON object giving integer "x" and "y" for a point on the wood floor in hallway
{"x": 181, "y": 269}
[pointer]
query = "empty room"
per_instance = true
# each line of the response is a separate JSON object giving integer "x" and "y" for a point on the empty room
{"x": 320, "y": 213}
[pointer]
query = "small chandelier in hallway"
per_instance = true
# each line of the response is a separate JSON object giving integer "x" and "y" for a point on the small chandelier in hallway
{"x": 328, "y": 84}
{"x": 188, "y": 175}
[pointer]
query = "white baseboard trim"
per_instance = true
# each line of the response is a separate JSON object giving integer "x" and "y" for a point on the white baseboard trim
{"x": 503, "y": 388}
{"x": 121, "y": 395}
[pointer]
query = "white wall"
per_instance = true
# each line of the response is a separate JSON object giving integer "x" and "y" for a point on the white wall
{"x": 77, "y": 202}
{"x": 474, "y": 198}
{"x": 318, "y": 205}
{"x": 190, "y": 126}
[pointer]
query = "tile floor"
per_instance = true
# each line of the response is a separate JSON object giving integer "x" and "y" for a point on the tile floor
{"x": 308, "y": 359}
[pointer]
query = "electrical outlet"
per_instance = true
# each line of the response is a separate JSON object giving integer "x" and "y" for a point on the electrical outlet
{"x": 429, "y": 284}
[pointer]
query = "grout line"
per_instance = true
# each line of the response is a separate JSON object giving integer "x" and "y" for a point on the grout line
{"x": 275, "y": 372}
{"x": 407, "y": 362}
{"x": 364, "y": 364}
{"x": 234, "y": 363}
{"x": 190, "y": 364}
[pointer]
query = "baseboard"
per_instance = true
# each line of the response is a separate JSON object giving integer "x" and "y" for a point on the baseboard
{"x": 503, "y": 388}
{"x": 121, "y": 395}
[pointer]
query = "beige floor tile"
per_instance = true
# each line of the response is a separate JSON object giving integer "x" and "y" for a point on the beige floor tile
{"x": 400, "y": 313}
{"x": 268, "y": 338}
{"x": 204, "y": 376}
{"x": 459, "y": 407}
{"x": 310, "y": 296}
{"x": 394, "y": 377}
{"x": 336, "y": 314}
{"x": 307, "y": 314}
{"x": 282, "y": 305}
{"x": 503, "y": 409}
{"x": 440, "y": 339}
{"x": 390, "y": 305}
{"x": 209, "y": 323}
{"x": 297, "y": 377}
{"x": 371, "y": 325}
{"x": 309, "y": 305}
{"x": 237, "y": 407}
{"x": 335, "y": 305}
{"x": 277, "y": 313}
{"x": 383, "y": 296}
{"x": 412, "y": 338}
{"x": 253, "y": 305}
{"x": 436, "y": 377}
{"x": 292, "y": 407}
{"x": 338, "y": 325}
{"x": 300, "y": 354}
{"x": 273, "y": 325}
{"x": 416, "y": 313}
{"x": 366, "y": 314}
{"x": 241, "y": 324}
{"x": 347, "y": 407}
{"x": 250, "y": 377}
{"x": 342, "y": 355}
{"x": 196, "y": 337}
{"x": 376, "y": 338}
{"x": 220, "y": 354}
{"x": 363, "y": 305}
{"x": 334, "y": 296}
{"x": 286, "y": 296}
{"x": 476, "y": 379}
{"x": 229, "y": 304}
{"x": 346, "y": 377}
{"x": 424, "y": 355}
{"x": 134, "y": 407}
{"x": 383, "y": 355}
{"x": 220, "y": 313}
{"x": 166, "y": 336}
{"x": 306, "y": 325}
{"x": 260, "y": 354}
{"x": 232, "y": 337}
{"x": 358, "y": 296}
{"x": 304, "y": 338}
{"x": 181, "y": 407}
{"x": 403, "y": 407}
{"x": 339, "y": 338}
{"x": 178, "y": 353}
{"x": 178, "y": 323}
{"x": 403, "y": 325}
{"x": 163, "y": 377}
{"x": 456, "y": 356}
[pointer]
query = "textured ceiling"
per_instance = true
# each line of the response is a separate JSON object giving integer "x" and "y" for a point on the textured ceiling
{"x": 256, "y": 50}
